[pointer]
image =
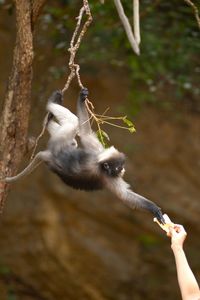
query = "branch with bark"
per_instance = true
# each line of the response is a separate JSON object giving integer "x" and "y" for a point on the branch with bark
{"x": 134, "y": 39}
{"x": 195, "y": 10}
{"x": 16, "y": 106}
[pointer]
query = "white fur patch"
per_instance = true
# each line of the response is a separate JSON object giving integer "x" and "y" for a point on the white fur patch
{"x": 108, "y": 153}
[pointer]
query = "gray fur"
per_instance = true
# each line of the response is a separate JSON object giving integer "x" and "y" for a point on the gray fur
{"x": 88, "y": 166}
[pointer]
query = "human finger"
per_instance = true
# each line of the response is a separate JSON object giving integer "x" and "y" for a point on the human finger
{"x": 179, "y": 229}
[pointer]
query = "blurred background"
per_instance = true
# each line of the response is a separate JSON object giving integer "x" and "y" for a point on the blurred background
{"x": 57, "y": 243}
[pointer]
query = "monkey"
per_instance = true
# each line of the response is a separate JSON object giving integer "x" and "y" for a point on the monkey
{"x": 88, "y": 166}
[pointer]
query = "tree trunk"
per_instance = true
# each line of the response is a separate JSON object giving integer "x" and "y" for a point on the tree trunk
{"x": 16, "y": 108}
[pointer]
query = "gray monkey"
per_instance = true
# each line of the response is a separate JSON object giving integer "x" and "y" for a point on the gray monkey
{"x": 89, "y": 166}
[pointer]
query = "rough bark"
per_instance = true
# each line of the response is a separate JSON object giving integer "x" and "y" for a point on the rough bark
{"x": 37, "y": 6}
{"x": 16, "y": 108}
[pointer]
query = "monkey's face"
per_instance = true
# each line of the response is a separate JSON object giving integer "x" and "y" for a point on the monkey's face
{"x": 113, "y": 167}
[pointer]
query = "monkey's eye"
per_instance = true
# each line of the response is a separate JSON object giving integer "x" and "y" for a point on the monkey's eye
{"x": 106, "y": 165}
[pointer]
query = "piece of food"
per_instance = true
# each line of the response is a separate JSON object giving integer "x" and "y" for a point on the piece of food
{"x": 167, "y": 225}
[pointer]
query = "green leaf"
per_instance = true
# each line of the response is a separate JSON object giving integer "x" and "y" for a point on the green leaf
{"x": 105, "y": 135}
{"x": 132, "y": 129}
{"x": 102, "y": 135}
{"x": 127, "y": 122}
{"x": 130, "y": 124}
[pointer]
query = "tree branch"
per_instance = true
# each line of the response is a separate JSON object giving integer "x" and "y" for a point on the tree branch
{"x": 16, "y": 107}
{"x": 136, "y": 21}
{"x": 37, "y": 6}
{"x": 127, "y": 26}
{"x": 195, "y": 9}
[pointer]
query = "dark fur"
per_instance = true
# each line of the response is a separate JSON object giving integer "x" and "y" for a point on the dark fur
{"x": 113, "y": 166}
{"x": 72, "y": 168}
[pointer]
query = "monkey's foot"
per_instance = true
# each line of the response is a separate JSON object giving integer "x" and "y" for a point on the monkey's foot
{"x": 56, "y": 97}
{"x": 84, "y": 94}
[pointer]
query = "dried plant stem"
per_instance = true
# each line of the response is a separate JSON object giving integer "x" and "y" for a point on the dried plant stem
{"x": 40, "y": 135}
{"x": 74, "y": 45}
{"x": 115, "y": 125}
{"x": 102, "y": 119}
{"x": 90, "y": 108}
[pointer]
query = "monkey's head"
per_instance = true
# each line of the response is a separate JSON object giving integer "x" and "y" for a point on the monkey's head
{"x": 112, "y": 162}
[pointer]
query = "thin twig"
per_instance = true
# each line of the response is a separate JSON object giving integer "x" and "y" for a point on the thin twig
{"x": 91, "y": 110}
{"x": 115, "y": 125}
{"x": 94, "y": 117}
{"x": 74, "y": 46}
{"x": 79, "y": 18}
{"x": 195, "y": 9}
{"x": 40, "y": 135}
{"x": 102, "y": 119}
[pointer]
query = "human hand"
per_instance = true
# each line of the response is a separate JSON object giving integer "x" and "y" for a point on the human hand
{"x": 175, "y": 231}
{"x": 178, "y": 235}
{"x": 168, "y": 223}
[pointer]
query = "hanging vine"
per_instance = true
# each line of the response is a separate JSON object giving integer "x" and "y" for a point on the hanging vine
{"x": 74, "y": 68}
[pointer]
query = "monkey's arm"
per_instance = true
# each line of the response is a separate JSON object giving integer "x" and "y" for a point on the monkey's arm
{"x": 38, "y": 159}
{"x": 135, "y": 201}
{"x": 87, "y": 136}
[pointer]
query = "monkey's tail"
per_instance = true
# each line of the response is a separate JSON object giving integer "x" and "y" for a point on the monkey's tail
{"x": 29, "y": 169}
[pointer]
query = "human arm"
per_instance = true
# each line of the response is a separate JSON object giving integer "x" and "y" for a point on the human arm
{"x": 187, "y": 282}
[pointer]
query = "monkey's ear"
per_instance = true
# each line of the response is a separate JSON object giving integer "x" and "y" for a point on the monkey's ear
{"x": 84, "y": 94}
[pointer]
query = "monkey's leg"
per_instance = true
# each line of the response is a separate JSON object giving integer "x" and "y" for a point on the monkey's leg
{"x": 82, "y": 113}
{"x": 64, "y": 134}
{"x": 38, "y": 159}
{"x": 88, "y": 137}
{"x": 56, "y": 97}
{"x": 53, "y": 127}
{"x": 62, "y": 114}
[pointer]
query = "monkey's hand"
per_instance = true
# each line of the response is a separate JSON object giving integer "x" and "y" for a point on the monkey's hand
{"x": 168, "y": 223}
{"x": 159, "y": 216}
{"x": 56, "y": 97}
{"x": 84, "y": 94}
